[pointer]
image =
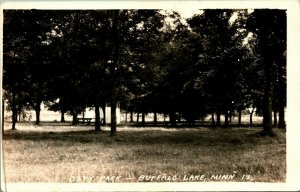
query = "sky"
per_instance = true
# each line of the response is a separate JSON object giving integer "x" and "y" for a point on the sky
{"x": 187, "y": 12}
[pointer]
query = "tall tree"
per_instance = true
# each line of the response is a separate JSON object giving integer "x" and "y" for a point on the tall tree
{"x": 80, "y": 60}
{"x": 23, "y": 35}
{"x": 219, "y": 60}
{"x": 130, "y": 28}
{"x": 270, "y": 27}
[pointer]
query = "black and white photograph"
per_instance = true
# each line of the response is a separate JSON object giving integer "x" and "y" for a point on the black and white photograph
{"x": 151, "y": 97}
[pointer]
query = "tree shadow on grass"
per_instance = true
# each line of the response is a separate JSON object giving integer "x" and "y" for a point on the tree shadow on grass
{"x": 237, "y": 138}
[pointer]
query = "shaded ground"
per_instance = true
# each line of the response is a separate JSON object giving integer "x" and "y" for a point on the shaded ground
{"x": 77, "y": 154}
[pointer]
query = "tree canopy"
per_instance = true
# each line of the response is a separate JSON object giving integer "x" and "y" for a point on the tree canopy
{"x": 150, "y": 61}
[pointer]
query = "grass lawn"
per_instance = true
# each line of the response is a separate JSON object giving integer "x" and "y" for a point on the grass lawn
{"x": 68, "y": 154}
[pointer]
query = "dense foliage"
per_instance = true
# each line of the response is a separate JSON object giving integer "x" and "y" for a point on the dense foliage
{"x": 219, "y": 62}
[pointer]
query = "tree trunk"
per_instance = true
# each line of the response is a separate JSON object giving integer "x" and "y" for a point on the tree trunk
{"x": 138, "y": 117}
{"x": 14, "y": 108}
{"x": 74, "y": 116}
{"x": 267, "y": 100}
{"x": 275, "y": 118}
{"x": 113, "y": 118}
{"x": 62, "y": 111}
{"x": 37, "y": 115}
{"x": 172, "y": 117}
{"x": 126, "y": 117}
{"x": 116, "y": 49}
{"x": 281, "y": 123}
{"x": 104, "y": 113}
{"x": 97, "y": 117}
{"x": 240, "y": 117}
{"x": 62, "y": 116}
{"x": 131, "y": 116}
{"x": 267, "y": 116}
{"x": 15, "y": 120}
{"x": 218, "y": 118}
{"x": 155, "y": 119}
{"x": 143, "y": 118}
{"x": 251, "y": 115}
{"x": 282, "y": 87}
{"x": 37, "y": 112}
{"x": 226, "y": 119}
{"x": 267, "y": 52}
{"x": 213, "y": 119}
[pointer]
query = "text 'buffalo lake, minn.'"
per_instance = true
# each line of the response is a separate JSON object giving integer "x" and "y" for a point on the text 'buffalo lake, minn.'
{"x": 161, "y": 178}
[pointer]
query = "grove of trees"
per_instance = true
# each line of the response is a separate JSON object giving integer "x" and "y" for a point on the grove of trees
{"x": 217, "y": 62}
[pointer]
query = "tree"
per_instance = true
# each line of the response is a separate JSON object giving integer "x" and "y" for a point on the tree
{"x": 270, "y": 27}
{"x": 81, "y": 61}
{"x": 130, "y": 28}
{"x": 29, "y": 32}
{"x": 219, "y": 60}
{"x": 19, "y": 41}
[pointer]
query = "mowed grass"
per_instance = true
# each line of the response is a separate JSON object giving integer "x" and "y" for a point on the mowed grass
{"x": 87, "y": 156}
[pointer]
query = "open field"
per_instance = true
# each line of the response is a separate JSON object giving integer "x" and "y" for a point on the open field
{"x": 64, "y": 153}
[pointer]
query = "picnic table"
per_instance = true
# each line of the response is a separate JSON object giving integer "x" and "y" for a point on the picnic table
{"x": 85, "y": 120}
{"x": 88, "y": 121}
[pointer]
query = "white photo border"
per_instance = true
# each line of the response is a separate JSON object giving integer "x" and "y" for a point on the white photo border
{"x": 293, "y": 93}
